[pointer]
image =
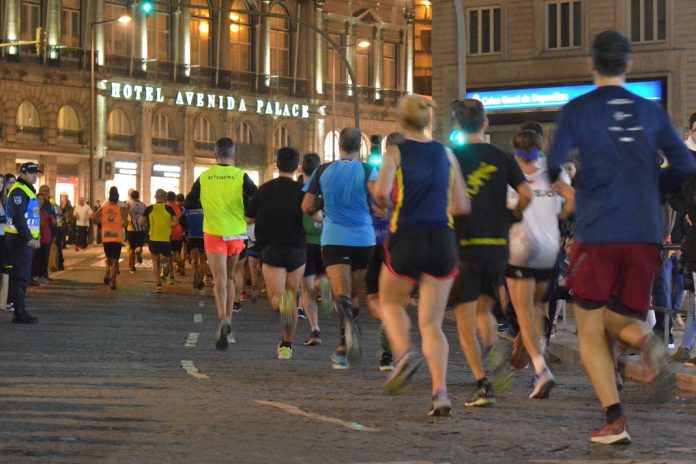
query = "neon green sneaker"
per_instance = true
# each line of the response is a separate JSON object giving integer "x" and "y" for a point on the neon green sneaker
{"x": 284, "y": 352}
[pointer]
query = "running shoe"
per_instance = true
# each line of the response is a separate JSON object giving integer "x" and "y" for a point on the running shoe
{"x": 326, "y": 304}
{"x": 284, "y": 352}
{"x": 165, "y": 268}
{"x": 158, "y": 288}
{"x": 484, "y": 396}
{"x": 112, "y": 285}
{"x": 339, "y": 360}
{"x": 236, "y": 307}
{"x": 107, "y": 279}
{"x": 132, "y": 269}
{"x": 386, "y": 361}
{"x": 171, "y": 279}
{"x": 352, "y": 332}
{"x": 681, "y": 355}
{"x": 196, "y": 281}
{"x": 543, "y": 385}
{"x": 223, "y": 331}
{"x": 404, "y": 369}
{"x": 231, "y": 337}
{"x": 287, "y": 310}
{"x": 301, "y": 314}
{"x": 10, "y": 307}
{"x": 441, "y": 406}
{"x": 314, "y": 339}
{"x": 655, "y": 362}
{"x": 690, "y": 363}
{"x": 615, "y": 433}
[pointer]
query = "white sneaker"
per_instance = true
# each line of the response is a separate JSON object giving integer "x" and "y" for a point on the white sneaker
{"x": 231, "y": 338}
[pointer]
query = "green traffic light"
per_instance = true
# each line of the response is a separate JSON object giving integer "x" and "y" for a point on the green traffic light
{"x": 376, "y": 160}
{"x": 457, "y": 137}
{"x": 147, "y": 7}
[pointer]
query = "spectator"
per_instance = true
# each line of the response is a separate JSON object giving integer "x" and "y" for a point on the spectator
{"x": 41, "y": 255}
{"x": 83, "y": 214}
{"x": 69, "y": 224}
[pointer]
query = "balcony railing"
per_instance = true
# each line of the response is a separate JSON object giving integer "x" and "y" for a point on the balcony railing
{"x": 30, "y": 133}
{"x": 208, "y": 147}
{"x": 70, "y": 136}
{"x": 120, "y": 142}
{"x": 368, "y": 95}
{"x": 166, "y": 145}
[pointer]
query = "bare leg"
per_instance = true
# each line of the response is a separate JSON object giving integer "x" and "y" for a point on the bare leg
{"x": 522, "y": 296}
{"x": 239, "y": 279}
{"x": 431, "y": 311}
{"x": 309, "y": 301}
{"x": 485, "y": 321}
{"x": 231, "y": 290}
{"x": 465, "y": 313}
{"x": 218, "y": 267}
{"x": 156, "y": 268}
{"x": 393, "y": 295}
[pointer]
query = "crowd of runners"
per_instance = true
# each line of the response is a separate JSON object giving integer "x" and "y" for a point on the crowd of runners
{"x": 464, "y": 229}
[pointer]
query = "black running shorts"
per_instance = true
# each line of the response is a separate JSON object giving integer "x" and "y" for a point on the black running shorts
{"x": 160, "y": 248}
{"x": 358, "y": 258}
{"x": 288, "y": 257}
{"x": 416, "y": 252}
{"x": 112, "y": 250}
{"x": 136, "y": 239}
{"x": 315, "y": 265}
{"x": 539, "y": 275}
{"x": 372, "y": 275}
{"x": 177, "y": 245}
{"x": 196, "y": 243}
{"x": 477, "y": 277}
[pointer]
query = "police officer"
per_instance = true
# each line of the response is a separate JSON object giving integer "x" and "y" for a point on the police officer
{"x": 22, "y": 237}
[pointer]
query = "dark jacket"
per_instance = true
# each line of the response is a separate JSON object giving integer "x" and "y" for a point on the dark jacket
{"x": 17, "y": 202}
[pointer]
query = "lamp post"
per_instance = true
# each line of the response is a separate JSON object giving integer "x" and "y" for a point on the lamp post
{"x": 125, "y": 19}
{"x": 363, "y": 44}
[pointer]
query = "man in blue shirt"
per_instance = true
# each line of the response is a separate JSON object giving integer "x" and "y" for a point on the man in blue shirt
{"x": 620, "y": 138}
{"x": 348, "y": 238}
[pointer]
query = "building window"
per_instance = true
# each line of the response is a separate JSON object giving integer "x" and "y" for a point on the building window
{"x": 331, "y": 146}
{"x": 422, "y": 53}
{"x": 29, "y": 19}
{"x": 281, "y": 138}
{"x": 68, "y": 125}
{"x": 29, "y": 122}
{"x": 389, "y": 66}
{"x": 484, "y": 31}
{"x": 362, "y": 66}
{"x": 240, "y": 38}
{"x": 280, "y": 43}
{"x": 648, "y": 20}
{"x": 334, "y": 66}
{"x": 204, "y": 135}
{"x": 563, "y": 24}
{"x": 118, "y": 130}
{"x": 70, "y": 23}
{"x": 115, "y": 36}
{"x": 245, "y": 134}
{"x": 199, "y": 28}
{"x": 158, "y": 36}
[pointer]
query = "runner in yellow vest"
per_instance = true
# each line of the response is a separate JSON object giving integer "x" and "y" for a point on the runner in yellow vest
{"x": 221, "y": 191}
{"x": 113, "y": 219}
{"x": 160, "y": 219}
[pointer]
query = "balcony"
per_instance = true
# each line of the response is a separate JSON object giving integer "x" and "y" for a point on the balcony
{"x": 30, "y": 133}
{"x": 70, "y": 136}
{"x": 120, "y": 142}
{"x": 206, "y": 147}
{"x": 162, "y": 145}
{"x": 366, "y": 95}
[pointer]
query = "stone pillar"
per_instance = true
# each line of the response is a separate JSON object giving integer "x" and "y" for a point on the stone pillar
{"x": 140, "y": 43}
{"x": 377, "y": 61}
{"x": 222, "y": 49}
{"x": 53, "y": 30}
{"x": 12, "y": 26}
{"x": 265, "y": 43}
{"x": 188, "y": 150}
{"x": 99, "y": 48}
{"x": 145, "y": 170}
{"x": 50, "y": 172}
{"x": 184, "y": 50}
{"x": 319, "y": 48}
{"x": 408, "y": 45}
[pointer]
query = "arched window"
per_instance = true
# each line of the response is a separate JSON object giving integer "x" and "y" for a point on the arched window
{"x": 331, "y": 146}
{"x": 68, "y": 125}
{"x": 245, "y": 134}
{"x": 280, "y": 43}
{"x": 115, "y": 35}
{"x": 199, "y": 27}
{"x": 281, "y": 138}
{"x": 163, "y": 133}
{"x": 203, "y": 135}
{"x": 240, "y": 38}
{"x": 28, "y": 121}
{"x": 117, "y": 124}
{"x": 158, "y": 36}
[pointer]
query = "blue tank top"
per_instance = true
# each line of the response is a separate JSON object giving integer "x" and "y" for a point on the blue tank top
{"x": 422, "y": 187}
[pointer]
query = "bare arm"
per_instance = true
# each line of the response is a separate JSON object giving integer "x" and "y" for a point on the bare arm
{"x": 381, "y": 191}
{"x": 460, "y": 197}
{"x": 525, "y": 198}
{"x": 310, "y": 203}
{"x": 568, "y": 194}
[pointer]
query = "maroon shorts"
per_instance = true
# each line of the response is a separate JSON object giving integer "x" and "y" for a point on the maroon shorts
{"x": 617, "y": 275}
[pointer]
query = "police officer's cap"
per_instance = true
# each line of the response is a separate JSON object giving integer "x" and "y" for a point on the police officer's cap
{"x": 30, "y": 168}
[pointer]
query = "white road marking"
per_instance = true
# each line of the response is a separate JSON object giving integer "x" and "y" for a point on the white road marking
{"x": 192, "y": 370}
{"x": 198, "y": 318}
{"x": 192, "y": 339}
{"x": 331, "y": 420}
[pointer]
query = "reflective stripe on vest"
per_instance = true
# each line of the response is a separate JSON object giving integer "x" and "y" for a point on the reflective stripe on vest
{"x": 221, "y": 197}
{"x": 112, "y": 223}
{"x": 32, "y": 216}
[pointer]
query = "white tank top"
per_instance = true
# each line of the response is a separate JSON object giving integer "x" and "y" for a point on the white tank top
{"x": 534, "y": 242}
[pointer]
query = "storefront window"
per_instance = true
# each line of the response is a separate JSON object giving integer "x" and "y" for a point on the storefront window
{"x": 280, "y": 43}
{"x": 199, "y": 27}
{"x": 166, "y": 177}
{"x": 68, "y": 125}
{"x": 240, "y": 38}
{"x": 125, "y": 177}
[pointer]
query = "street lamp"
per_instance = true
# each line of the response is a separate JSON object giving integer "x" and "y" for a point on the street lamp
{"x": 363, "y": 44}
{"x": 125, "y": 19}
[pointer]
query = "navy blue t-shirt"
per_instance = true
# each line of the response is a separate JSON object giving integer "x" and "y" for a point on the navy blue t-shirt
{"x": 620, "y": 138}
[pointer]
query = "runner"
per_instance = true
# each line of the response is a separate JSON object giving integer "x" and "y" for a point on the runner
{"x": 277, "y": 211}
{"x": 534, "y": 246}
{"x": 220, "y": 190}
{"x": 254, "y": 262}
{"x": 427, "y": 188}
{"x": 160, "y": 219}
{"x": 483, "y": 240}
{"x": 621, "y": 139}
{"x": 347, "y": 238}
{"x": 135, "y": 232}
{"x": 314, "y": 283}
{"x": 113, "y": 219}
{"x": 175, "y": 259}
{"x": 192, "y": 219}
{"x": 180, "y": 199}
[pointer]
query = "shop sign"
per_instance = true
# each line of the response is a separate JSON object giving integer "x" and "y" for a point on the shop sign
{"x": 128, "y": 168}
{"x": 215, "y": 101}
{"x": 553, "y": 97}
{"x": 166, "y": 170}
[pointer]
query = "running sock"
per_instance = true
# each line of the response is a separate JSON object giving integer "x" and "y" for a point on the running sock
{"x": 284, "y": 343}
{"x": 613, "y": 412}
{"x": 539, "y": 364}
{"x": 228, "y": 320}
{"x": 481, "y": 382}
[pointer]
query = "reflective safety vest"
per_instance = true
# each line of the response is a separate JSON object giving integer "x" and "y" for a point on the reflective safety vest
{"x": 111, "y": 223}
{"x": 221, "y": 197}
{"x": 32, "y": 215}
{"x": 56, "y": 212}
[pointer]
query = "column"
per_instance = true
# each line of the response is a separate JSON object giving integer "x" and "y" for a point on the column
{"x": 184, "y": 43}
{"x": 145, "y": 170}
{"x": 53, "y": 30}
{"x": 188, "y": 151}
{"x": 140, "y": 45}
{"x": 222, "y": 48}
{"x": 51, "y": 171}
{"x": 377, "y": 61}
{"x": 350, "y": 53}
{"x": 99, "y": 48}
{"x": 408, "y": 44}
{"x": 265, "y": 44}
{"x": 319, "y": 48}
{"x": 12, "y": 25}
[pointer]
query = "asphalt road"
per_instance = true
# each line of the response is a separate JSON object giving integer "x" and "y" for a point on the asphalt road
{"x": 107, "y": 376}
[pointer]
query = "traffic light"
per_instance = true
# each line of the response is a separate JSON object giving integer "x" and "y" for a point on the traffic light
{"x": 457, "y": 138}
{"x": 375, "y": 158}
{"x": 39, "y": 40}
{"x": 147, "y": 7}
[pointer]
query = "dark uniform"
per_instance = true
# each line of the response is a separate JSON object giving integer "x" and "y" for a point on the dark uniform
{"x": 23, "y": 220}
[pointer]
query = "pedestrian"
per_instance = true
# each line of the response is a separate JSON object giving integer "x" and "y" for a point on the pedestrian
{"x": 276, "y": 209}
{"x": 347, "y": 238}
{"x": 160, "y": 220}
{"x": 221, "y": 190}
{"x": 97, "y": 205}
{"x": 621, "y": 139}
{"x": 483, "y": 237}
{"x": 4, "y": 276}
{"x": 83, "y": 215}
{"x": 135, "y": 231}
{"x": 69, "y": 224}
{"x": 192, "y": 219}
{"x": 22, "y": 238}
{"x": 113, "y": 218}
{"x": 424, "y": 178}
{"x": 175, "y": 259}
{"x": 42, "y": 254}
{"x": 57, "y": 230}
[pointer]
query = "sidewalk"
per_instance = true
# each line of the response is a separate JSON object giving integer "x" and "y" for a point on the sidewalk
{"x": 565, "y": 345}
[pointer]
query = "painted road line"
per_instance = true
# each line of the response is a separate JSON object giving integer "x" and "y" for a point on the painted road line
{"x": 318, "y": 417}
{"x": 192, "y": 340}
{"x": 192, "y": 370}
{"x": 198, "y": 318}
